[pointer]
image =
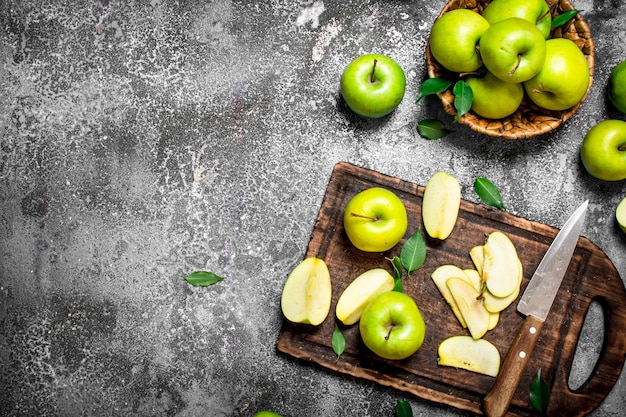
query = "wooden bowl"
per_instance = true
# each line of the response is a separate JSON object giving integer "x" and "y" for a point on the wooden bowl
{"x": 529, "y": 120}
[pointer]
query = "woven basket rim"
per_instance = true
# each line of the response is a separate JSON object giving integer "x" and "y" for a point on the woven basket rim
{"x": 529, "y": 120}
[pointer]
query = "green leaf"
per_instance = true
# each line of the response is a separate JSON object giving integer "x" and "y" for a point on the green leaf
{"x": 433, "y": 86}
{"x": 432, "y": 129}
{"x": 202, "y": 278}
{"x": 488, "y": 192}
{"x": 397, "y": 267}
{"x": 397, "y": 285}
{"x": 413, "y": 253}
{"x": 403, "y": 409}
{"x": 338, "y": 341}
{"x": 463, "y": 97}
{"x": 563, "y": 18}
{"x": 539, "y": 393}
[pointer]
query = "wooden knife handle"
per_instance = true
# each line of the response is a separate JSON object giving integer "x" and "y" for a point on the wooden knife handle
{"x": 496, "y": 402}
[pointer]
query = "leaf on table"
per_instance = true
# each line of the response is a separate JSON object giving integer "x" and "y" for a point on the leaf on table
{"x": 488, "y": 192}
{"x": 338, "y": 341}
{"x": 202, "y": 278}
{"x": 539, "y": 393}
{"x": 463, "y": 97}
{"x": 413, "y": 253}
{"x": 433, "y": 86}
{"x": 432, "y": 129}
{"x": 563, "y": 18}
{"x": 403, "y": 409}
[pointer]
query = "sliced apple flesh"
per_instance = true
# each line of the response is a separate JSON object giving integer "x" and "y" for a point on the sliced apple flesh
{"x": 468, "y": 301}
{"x": 620, "y": 214}
{"x": 476, "y": 355}
{"x": 440, "y": 205}
{"x": 440, "y": 277}
{"x": 360, "y": 292}
{"x": 500, "y": 265}
{"x": 307, "y": 293}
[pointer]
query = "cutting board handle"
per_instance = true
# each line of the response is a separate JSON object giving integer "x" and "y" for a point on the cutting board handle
{"x": 611, "y": 296}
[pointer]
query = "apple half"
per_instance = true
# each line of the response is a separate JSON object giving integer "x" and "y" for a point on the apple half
{"x": 307, "y": 293}
{"x": 476, "y": 355}
{"x": 360, "y": 292}
{"x": 440, "y": 204}
{"x": 620, "y": 214}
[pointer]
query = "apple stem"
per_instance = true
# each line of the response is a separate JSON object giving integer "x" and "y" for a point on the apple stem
{"x": 372, "y": 77}
{"x": 389, "y": 333}
{"x": 622, "y": 147}
{"x": 239, "y": 412}
{"x": 519, "y": 60}
{"x": 375, "y": 219}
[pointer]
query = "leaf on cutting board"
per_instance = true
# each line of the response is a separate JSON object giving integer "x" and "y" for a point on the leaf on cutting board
{"x": 338, "y": 341}
{"x": 202, "y": 278}
{"x": 403, "y": 409}
{"x": 539, "y": 393}
{"x": 488, "y": 192}
{"x": 432, "y": 129}
{"x": 433, "y": 86}
{"x": 413, "y": 253}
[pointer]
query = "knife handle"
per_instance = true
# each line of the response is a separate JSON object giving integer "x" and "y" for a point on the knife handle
{"x": 496, "y": 402}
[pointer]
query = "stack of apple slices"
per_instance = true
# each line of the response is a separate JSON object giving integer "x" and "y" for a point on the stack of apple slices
{"x": 477, "y": 296}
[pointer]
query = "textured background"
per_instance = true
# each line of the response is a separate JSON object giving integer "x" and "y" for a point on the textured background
{"x": 144, "y": 140}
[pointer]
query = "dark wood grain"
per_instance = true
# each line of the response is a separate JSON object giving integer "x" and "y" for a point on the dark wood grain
{"x": 590, "y": 276}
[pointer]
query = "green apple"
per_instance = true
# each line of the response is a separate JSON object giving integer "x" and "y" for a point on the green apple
{"x": 617, "y": 87}
{"x": 454, "y": 40}
{"x": 494, "y": 98}
{"x": 620, "y": 214}
{"x": 373, "y": 85}
{"x": 513, "y": 49}
{"x": 266, "y": 414}
{"x": 603, "y": 151}
{"x": 375, "y": 220}
{"x": 535, "y": 11}
{"x": 564, "y": 78}
{"x": 392, "y": 326}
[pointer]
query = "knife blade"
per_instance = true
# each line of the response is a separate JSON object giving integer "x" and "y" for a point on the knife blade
{"x": 535, "y": 304}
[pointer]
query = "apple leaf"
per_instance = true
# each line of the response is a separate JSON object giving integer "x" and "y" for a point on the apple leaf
{"x": 539, "y": 393}
{"x": 202, "y": 278}
{"x": 432, "y": 129}
{"x": 403, "y": 409}
{"x": 563, "y": 18}
{"x": 463, "y": 97}
{"x": 338, "y": 341}
{"x": 397, "y": 267}
{"x": 488, "y": 192}
{"x": 413, "y": 253}
{"x": 433, "y": 86}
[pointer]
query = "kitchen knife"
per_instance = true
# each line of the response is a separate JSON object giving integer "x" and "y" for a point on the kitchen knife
{"x": 535, "y": 305}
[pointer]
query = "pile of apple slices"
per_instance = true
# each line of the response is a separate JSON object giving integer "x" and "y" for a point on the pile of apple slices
{"x": 477, "y": 296}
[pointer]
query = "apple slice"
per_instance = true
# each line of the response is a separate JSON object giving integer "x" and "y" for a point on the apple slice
{"x": 500, "y": 265}
{"x": 440, "y": 276}
{"x": 477, "y": 255}
{"x": 494, "y": 318}
{"x": 495, "y": 304}
{"x": 307, "y": 292}
{"x": 440, "y": 205}
{"x": 360, "y": 292}
{"x": 620, "y": 214}
{"x": 469, "y": 303}
{"x": 474, "y": 278}
{"x": 476, "y": 355}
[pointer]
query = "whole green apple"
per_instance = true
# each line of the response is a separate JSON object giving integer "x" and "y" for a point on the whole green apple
{"x": 373, "y": 85}
{"x": 617, "y": 87}
{"x": 535, "y": 11}
{"x": 603, "y": 151}
{"x": 454, "y": 40}
{"x": 266, "y": 414}
{"x": 375, "y": 220}
{"x": 392, "y": 326}
{"x": 564, "y": 77}
{"x": 494, "y": 98}
{"x": 513, "y": 49}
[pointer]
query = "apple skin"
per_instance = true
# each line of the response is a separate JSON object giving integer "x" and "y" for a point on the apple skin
{"x": 375, "y": 96}
{"x": 513, "y": 50}
{"x": 564, "y": 78}
{"x": 375, "y": 220}
{"x": 392, "y": 326}
{"x": 494, "y": 98}
{"x": 535, "y": 11}
{"x": 454, "y": 39}
{"x": 265, "y": 413}
{"x": 617, "y": 87}
{"x": 603, "y": 151}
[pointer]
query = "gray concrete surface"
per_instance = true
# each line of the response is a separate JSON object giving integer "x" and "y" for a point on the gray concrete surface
{"x": 144, "y": 140}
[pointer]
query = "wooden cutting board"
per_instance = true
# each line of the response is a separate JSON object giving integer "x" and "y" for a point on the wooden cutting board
{"x": 591, "y": 276}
